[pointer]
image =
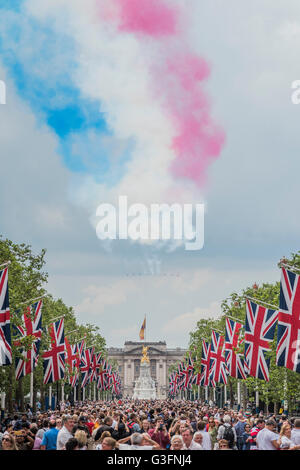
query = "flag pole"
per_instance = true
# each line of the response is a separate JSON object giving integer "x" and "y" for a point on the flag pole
{"x": 261, "y": 301}
{"x": 239, "y": 394}
{"x": 218, "y": 331}
{"x": 285, "y": 402}
{"x": 5, "y": 264}
{"x": 232, "y": 318}
{"x": 73, "y": 331}
{"x": 283, "y": 265}
{"x": 31, "y": 300}
{"x": 257, "y": 397}
{"x": 31, "y": 390}
{"x": 57, "y": 318}
{"x": 50, "y": 397}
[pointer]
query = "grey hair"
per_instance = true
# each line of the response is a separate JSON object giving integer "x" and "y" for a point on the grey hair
{"x": 176, "y": 436}
{"x": 66, "y": 418}
{"x": 136, "y": 438}
{"x": 197, "y": 434}
{"x": 227, "y": 419}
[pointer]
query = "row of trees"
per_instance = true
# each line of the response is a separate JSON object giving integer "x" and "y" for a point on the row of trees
{"x": 284, "y": 384}
{"x": 28, "y": 280}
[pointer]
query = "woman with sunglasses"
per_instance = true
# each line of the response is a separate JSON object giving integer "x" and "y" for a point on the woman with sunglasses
{"x": 8, "y": 442}
{"x": 246, "y": 437}
{"x": 212, "y": 430}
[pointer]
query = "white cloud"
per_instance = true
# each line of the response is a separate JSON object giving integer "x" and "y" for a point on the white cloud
{"x": 191, "y": 281}
{"x": 114, "y": 70}
{"x": 98, "y": 298}
{"x": 183, "y": 324}
{"x": 123, "y": 334}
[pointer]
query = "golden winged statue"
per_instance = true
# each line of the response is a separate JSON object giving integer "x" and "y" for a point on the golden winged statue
{"x": 145, "y": 357}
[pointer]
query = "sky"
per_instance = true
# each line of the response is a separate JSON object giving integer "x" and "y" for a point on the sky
{"x": 181, "y": 101}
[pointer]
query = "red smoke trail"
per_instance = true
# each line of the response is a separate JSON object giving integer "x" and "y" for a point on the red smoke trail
{"x": 178, "y": 78}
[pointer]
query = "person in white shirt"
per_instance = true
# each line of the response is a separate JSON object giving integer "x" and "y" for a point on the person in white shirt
{"x": 138, "y": 442}
{"x": 295, "y": 435}
{"x": 206, "y": 438}
{"x": 223, "y": 431}
{"x": 189, "y": 443}
{"x": 285, "y": 437}
{"x": 267, "y": 439}
{"x": 65, "y": 433}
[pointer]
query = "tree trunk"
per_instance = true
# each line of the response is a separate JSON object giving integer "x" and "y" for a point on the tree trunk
{"x": 275, "y": 408}
{"x": 266, "y": 408}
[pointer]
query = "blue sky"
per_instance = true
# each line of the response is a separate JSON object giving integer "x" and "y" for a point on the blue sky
{"x": 41, "y": 63}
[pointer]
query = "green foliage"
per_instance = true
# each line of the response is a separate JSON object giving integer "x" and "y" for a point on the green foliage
{"x": 235, "y": 306}
{"x": 27, "y": 280}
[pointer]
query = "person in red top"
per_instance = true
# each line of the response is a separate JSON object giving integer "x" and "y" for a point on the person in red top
{"x": 160, "y": 434}
{"x": 260, "y": 424}
{"x": 90, "y": 425}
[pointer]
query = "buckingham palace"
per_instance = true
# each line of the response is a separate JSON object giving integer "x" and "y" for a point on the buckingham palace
{"x": 129, "y": 360}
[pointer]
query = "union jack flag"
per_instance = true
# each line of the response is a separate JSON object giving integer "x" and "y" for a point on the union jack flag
{"x": 54, "y": 359}
{"x": 109, "y": 377}
{"x": 95, "y": 366}
{"x": 288, "y": 336}
{"x": 115, "y": 383}
{"x": 173, "y": 383}
{"x": 259, "y": 332}
{"x": 204, "y": 380}
{"x": 5, "y": 334}
{"x": 218, "y": 369}
{"x": 234, "y": 361}
{"x": 27, "y": 363}
{"x": 101, "y": 381}
{"x": 183, "y": 375}
{"x": 71, "y": 361}
{"x": 74, "y": 378}
{"x": 85, "y": 365}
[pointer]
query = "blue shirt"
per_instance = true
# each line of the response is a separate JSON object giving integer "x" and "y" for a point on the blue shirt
{"x": 240, "y": 428}
{"x": 50, "y": 438}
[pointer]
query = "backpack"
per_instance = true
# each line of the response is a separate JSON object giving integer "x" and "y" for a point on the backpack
{"x": 229, "y": 435}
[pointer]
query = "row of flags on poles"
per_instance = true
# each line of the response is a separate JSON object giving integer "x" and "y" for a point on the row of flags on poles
{"x": 244, "y": 350}
{"x": 61, "y": 360}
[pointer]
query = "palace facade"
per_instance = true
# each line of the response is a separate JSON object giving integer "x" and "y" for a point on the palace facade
{"x": 161, "y": 358}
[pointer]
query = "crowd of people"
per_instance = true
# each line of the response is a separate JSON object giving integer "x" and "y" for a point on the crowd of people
{"x": 147, "y": 425}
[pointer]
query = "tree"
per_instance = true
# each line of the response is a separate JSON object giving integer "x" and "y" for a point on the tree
{"x": 27, "y": 281}
{"x": 235, "y": 306}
